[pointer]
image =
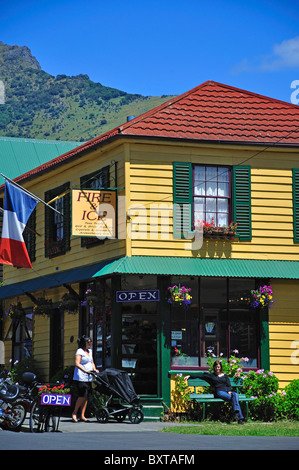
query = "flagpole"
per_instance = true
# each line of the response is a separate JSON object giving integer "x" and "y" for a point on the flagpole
{"x": 30, "y": 194}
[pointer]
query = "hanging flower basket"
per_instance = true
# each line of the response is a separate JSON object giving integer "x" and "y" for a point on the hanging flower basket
{"x": 69, "y": 303}
{"x": 210, "y": 230}
{"x": 43, "y": 306}
{"x": 15, "y": 311}
{"x": 262, "y": 297}
{"x": 179, "y": 295}
{"x": 92, "y": 298}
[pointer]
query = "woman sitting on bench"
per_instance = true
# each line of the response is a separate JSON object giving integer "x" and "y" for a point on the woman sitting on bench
{"x": 222, "y": 388}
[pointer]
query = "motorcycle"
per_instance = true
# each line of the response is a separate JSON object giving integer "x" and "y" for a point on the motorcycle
{"x": 15, "y": 401}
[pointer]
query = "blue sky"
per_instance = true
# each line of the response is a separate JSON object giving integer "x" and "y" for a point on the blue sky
{"x": 162, "y": 47}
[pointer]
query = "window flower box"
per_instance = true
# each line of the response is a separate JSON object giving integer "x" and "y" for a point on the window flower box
{"x": 211, "y": 231}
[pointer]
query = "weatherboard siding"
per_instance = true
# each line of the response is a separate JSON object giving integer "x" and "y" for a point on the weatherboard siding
{"x": 76, "y": 255}
{"x": 151, "y": 186}
{"x": 284, "y": 331}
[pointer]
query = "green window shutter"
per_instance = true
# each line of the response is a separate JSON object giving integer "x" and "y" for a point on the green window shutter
{"x": 29, "y": 235}
{"x": 241, "y": 200}
{"x": 182, "y": 199}
{"x": 55, "y": 247}
{"x": 296, "y": 204}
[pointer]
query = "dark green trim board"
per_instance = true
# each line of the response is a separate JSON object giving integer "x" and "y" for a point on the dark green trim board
{"x": 241, "y": 201}
{"x": 264, "y": 339}
{"x": 296, "y": 204}
{"x": 116, "y": 325}
{"x": 182, "y": 199}
{"x": 163, "y": 342}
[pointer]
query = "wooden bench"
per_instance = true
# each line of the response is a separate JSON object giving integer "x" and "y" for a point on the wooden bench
{"x": 209, "y": 397}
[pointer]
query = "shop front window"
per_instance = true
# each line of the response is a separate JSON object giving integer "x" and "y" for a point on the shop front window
{"x": 243, "y": 327}
{"x": 213, "y": 318}
{"x": 218, "y": 323}
{"x": 20, "y": 333}
{"x": 184, "y": 327}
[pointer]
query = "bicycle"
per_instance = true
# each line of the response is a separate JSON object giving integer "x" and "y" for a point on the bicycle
{"x": 14, "y": 403}
{"x": 43, "y": 417}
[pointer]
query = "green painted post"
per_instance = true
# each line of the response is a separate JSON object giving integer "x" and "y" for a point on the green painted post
{"x": 163, "y": 341}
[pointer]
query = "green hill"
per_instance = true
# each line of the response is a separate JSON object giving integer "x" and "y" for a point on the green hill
{"x": 40, "y": 106}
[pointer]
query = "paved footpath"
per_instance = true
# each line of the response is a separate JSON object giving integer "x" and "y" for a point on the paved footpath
{"x": 112, "y": 436}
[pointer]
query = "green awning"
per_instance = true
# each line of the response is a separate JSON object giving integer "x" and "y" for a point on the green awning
{"x": 162, "y": 265}
{"x": 159, "y": 265}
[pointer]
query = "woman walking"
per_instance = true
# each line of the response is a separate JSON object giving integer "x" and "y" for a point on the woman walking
{"x": 82, "y": 377}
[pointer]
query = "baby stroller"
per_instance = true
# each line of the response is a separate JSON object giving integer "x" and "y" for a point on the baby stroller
{"x": 118, "y": 386}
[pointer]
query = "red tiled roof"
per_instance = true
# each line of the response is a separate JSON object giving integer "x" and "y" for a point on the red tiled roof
{"x": 216, "y": 112}
{"x": 210, "y": 112}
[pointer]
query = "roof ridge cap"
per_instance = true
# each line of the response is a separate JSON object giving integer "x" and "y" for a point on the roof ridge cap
{"x": 252, "y": 93}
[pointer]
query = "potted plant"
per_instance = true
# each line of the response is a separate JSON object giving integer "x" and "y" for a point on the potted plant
{"x": 42, "y": 306}
{"x": 210, "y": 230}
{"x": 69, "y": 303}
{"x": 179, "y": 295}
{"x": 59, "y": 389}
{"x": 262, "y": 297}
{"x": 92, "y": 297}
{"x": 15, "y": 311}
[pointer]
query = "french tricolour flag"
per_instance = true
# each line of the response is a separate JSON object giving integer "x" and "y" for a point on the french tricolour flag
{"x": 18, "y": 206}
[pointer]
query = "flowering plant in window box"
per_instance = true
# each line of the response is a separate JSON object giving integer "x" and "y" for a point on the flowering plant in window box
{"x": 210, "y": 230}
{"x": 42, "y": 306}
{"x": 262, "y": 297}
{"x": 179, "y": 295}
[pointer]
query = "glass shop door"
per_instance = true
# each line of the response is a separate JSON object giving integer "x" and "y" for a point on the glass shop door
{"x": 139, "y": 346}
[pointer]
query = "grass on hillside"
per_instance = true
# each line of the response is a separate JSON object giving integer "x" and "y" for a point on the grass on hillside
{"x": 277, "y": 428}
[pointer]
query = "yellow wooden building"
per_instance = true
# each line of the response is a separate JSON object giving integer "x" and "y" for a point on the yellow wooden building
{"x": 215, "y": 153}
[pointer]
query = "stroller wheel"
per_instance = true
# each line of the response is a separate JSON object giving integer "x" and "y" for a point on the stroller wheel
{"x": 136, "y": 415}
{"x": 102, "y": 415}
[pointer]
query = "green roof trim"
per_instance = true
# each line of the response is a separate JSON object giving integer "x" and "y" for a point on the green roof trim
{"x": 18, "y": 156}
{"x": 162, "y": 265}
